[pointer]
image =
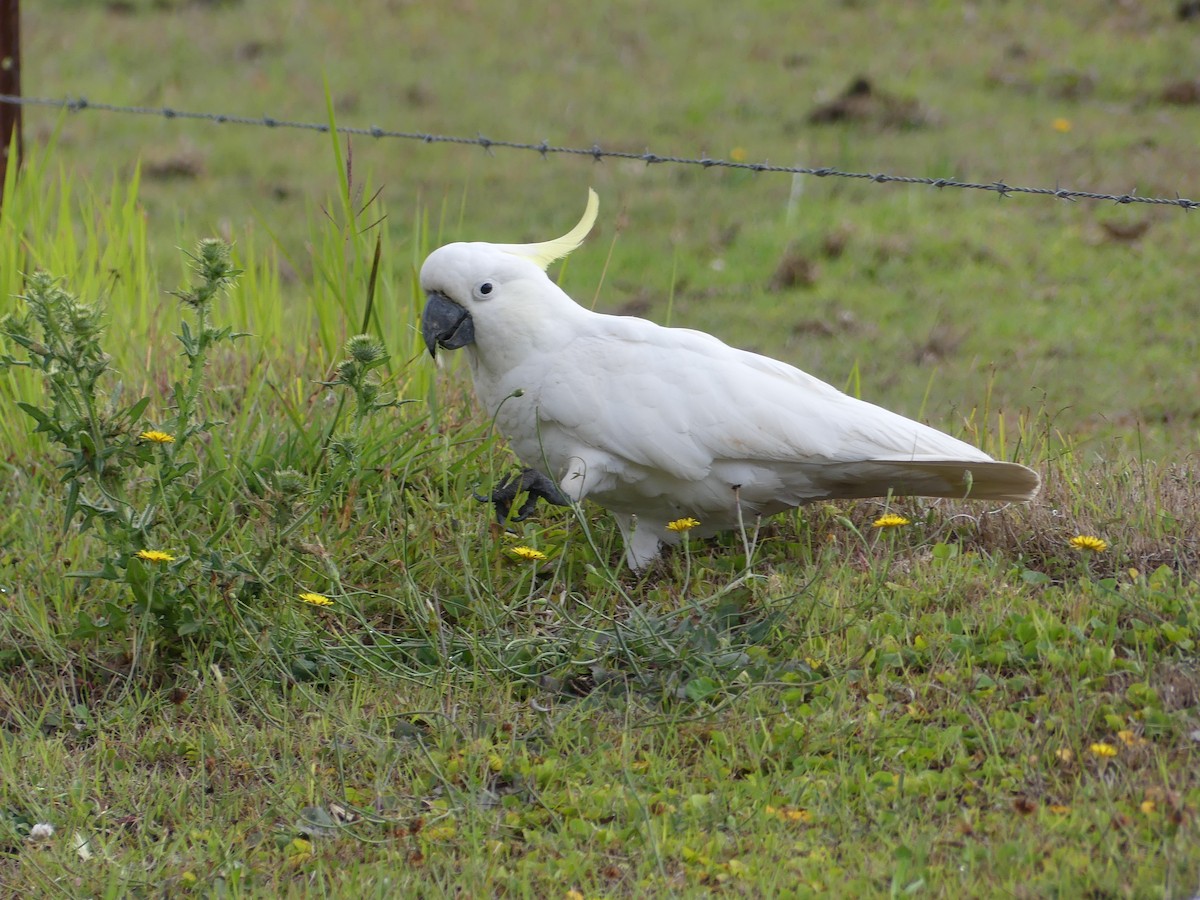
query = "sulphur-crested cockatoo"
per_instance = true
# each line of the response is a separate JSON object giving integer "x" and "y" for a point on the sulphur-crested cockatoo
{"x": 658, "y": 424}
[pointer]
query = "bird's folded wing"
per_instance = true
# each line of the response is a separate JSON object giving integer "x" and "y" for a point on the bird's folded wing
{"x": 678, "y": 400}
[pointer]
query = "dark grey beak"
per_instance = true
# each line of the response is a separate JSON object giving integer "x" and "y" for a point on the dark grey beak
{"x": 445, "y": 324}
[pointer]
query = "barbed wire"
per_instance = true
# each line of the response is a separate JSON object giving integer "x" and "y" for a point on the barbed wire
{"x": 598, "y": 153}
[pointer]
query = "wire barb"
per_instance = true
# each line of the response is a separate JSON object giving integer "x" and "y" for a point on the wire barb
{"x": 597, "y": 153}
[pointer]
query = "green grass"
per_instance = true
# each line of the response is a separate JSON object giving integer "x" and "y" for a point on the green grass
{"x": 964, "y": 706}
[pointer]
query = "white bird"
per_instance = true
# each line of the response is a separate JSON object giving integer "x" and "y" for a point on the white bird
{"x": 657, "y": 424}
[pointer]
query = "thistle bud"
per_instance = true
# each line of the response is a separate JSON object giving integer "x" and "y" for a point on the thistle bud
{"x": 365, "y": 349}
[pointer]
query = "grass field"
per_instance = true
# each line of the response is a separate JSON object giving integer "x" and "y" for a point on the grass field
{"x": 968, "y": 705}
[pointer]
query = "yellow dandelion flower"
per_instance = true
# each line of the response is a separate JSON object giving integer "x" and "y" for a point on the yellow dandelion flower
{"x": 1062, "y": 126}
{"x": 157, "y": 437}
{"x": 1088, "y": 542}
{"x": 1064, "y": 754}
{"x": 789, "y": 814}
{"x": 157, "y": 556}
{"x": 1147, "y": 806}
{"x": 1129, "y": 739}
{"x": 680, "y": 526}
{"x": 1058, "y": 809}
{"x": 1104, "y": 751}
{"x": 574, "y": 895}
{"x": 529, "y": 553}
{"x": 738, "y": 154}
{"x": 891, "y": 520}
{"x": 316, "y": 599}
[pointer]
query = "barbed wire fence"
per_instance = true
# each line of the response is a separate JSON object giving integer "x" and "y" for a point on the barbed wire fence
{"x": 596, "y": 151}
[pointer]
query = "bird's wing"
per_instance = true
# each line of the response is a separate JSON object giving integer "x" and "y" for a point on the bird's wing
{"x": 677, "y": 400}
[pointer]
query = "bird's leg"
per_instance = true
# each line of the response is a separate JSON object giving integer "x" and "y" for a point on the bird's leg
{"x": 642, "y": 546}
{"x": 527, "y": 481}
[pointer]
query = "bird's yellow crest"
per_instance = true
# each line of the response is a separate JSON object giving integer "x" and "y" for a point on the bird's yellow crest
{"x": 548, "y": 251}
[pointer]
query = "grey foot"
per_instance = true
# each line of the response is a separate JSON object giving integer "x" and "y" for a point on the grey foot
{"x": 528, "y": 481}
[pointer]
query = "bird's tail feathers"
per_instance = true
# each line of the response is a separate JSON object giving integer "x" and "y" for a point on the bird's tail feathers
{"x": 971, "y": 480}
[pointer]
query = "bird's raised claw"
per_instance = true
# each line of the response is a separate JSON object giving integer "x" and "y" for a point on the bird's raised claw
{"x": 528, "y": 481}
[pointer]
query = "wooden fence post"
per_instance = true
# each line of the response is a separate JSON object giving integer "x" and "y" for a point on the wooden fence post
{"x": 10, "y": 83}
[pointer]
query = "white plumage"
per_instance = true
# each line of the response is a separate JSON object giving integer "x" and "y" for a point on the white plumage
{"x": 656, "y": 424}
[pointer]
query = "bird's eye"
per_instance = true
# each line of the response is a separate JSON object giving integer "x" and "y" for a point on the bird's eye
{"x": 484, "y": 289}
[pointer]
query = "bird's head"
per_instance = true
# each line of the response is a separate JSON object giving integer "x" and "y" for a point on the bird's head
{"x": 489, "y": 292}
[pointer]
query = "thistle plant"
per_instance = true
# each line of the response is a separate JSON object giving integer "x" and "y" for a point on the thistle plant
{"x": 364, "y": 354}
{"x": 215, "y": 273}
{"x": 105, "y": 447}
{"x": 356, "y": 374}
{"x": 61, "y": 336}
